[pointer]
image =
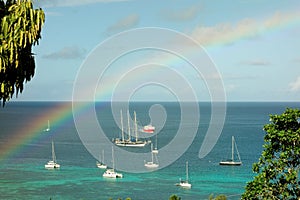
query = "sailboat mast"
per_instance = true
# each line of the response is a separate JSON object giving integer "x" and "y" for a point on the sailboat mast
{"x": 135, "y": 124}
{"x": 113, "y": 157}
{"x": 102, "y": 160}
{"x": 53, "y": 153}
{"x": 122, "y": 125}
{"x": 152, "y": 152}
{"x": 237, "y": 151}
{"x": 128, "y": 121}
{"x": 156, "y": 142}
{"x": 232, "y": 148}
{"x": 187, "y": 171}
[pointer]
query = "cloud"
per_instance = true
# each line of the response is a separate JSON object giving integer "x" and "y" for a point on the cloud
{"x": 230, "y": 77}
{"x": 127, "y": 22}
{"x": 231, "y": 87}
{"x": 185, "y": 14}
{"x": 71, "y": 52}
{"x": 234, "y": 77}
{"x": 227, "y": 33}
{"x": 295, "y": 86}
{"x": 296, "y": 60}
{"x": 52, "y": 13}
{"x": 256, "y": 63}
{"x": 69, "y": 3}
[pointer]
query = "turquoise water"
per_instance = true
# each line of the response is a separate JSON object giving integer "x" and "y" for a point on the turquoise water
{"x": 22, "y": 174}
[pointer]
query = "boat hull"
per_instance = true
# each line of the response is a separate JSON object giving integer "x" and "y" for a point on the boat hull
{"x": 184, "y": 184}
{"x": 151, "y": 165}
{"x": 149, "y": 128}
{"x": 130, "y": 144}
{"x": 112, "y": 174}
{"x": 101, "y": 166}
{"x": 52, "y": 165}
{"x": 148, "y": 131}
{"x": 155, "y": 151}
{"x": 232, "y": 163}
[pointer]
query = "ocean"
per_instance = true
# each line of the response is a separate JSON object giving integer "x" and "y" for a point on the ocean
{"x": 25, "y": 148}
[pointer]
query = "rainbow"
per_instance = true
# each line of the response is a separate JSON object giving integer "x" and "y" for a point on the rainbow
{"x": 63, "y": 111}
{"x": 227, "y": 33}
{"x": 58, "y": 115}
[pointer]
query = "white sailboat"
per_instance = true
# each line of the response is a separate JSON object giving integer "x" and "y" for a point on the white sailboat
{"x": 232, "y": 161}
{"x": 185, "y": 183}
{"x": 152, "y": 164}
{"x": 52, "y": 164}
{"x": 48, "y": 127}
{"x": 130, "y": 142}
{"x": 111, "y": 173}
{"x": 101, "y": 164}
{"x": 155, "y": 150}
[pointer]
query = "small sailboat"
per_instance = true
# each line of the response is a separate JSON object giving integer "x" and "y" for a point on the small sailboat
{"x": 232, "y": 161}
{"x": 185, "y": 183}
{"x": 155, "y": 150}
{"x": 111, "y": 173}
{"x": 52, "y": 164}
{"x": 152, "y": 164}
{"x": 48, "y": 127}
{"x": 101, "y": 164}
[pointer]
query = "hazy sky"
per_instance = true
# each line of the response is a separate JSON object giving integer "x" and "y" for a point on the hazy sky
{"x": 254, "y": 45}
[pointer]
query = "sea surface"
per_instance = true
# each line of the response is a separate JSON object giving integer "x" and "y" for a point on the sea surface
{"x": 26, "y": 148}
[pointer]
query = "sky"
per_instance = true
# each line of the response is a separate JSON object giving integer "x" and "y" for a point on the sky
{"x": 253, "y": 44}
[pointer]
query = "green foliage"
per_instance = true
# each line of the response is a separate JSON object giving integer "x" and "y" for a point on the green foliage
{"x": 219, "y": 197}
{"x": 278, "y": 167}
{"x": 20, "y": 29}
{"x": 174, "y": 197}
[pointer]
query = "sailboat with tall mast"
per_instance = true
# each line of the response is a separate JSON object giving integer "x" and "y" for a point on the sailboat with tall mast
{"x": 111, "y": 173}
{"x": 232, "y": 161}
{"x": 101, "y": 164}
{"x": 48, "y": 127}
{"x": 130, "y": 142}
{"x": 155, "y": 150}
{"x": 185, "y": 183}
{"x": 152, "y": 164}
{"x": 118, "y": 141}
{"x": 52, "y": 164}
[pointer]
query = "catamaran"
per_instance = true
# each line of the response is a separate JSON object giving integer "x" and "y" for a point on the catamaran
{"x": 232, "y": 161}
{"x": 111, "y": 173}
{"x": 152, "y": 164}
{"x": 52, "y": 164}
{"x": 185, "y": 183}
{"x": 130, "y": 142}
{"x": 101, "y": 164}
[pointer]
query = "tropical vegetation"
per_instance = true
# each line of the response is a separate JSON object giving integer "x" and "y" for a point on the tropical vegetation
{"x": 278, "y": 167}
{"x": 20, "y": 29}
